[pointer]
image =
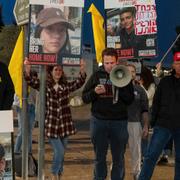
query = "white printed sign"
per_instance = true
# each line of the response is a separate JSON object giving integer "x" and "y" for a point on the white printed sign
{"x": 125, "y": 3}
{"x": 131, "y": 28}
{"x": 6, "y": 121}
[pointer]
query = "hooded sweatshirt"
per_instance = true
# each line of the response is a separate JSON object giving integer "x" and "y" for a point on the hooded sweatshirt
{"x": 102, "y": 105}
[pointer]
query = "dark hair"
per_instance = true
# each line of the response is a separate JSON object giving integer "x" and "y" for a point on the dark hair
{"x": 2, "y": 151}
{"x": 147, "y": 77}
{"x": 109, "y": 52}
{"x": 50, "y": 80}
{"x": 132, "y": 10}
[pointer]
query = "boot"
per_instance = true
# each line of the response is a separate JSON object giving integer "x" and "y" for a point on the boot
{"x": 60, "y": 176}
{"x": 54, "y": 177}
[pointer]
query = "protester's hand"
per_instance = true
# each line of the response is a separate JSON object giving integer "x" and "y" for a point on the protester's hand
{"x": 158, "y": 69}
{"x": 27, "y": 66}
{"x": 100, "y": 89}
{"x": 140, "y": 82}
{"x": 82, "y": 67}
{"x": 145, "y": 132}
{"x": 158, "y": 66}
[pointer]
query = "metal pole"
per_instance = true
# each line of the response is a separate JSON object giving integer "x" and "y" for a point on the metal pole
{"x": 169, "y": 48}
{"x": 25, "y": 127}
{"x": 41, "y": 119}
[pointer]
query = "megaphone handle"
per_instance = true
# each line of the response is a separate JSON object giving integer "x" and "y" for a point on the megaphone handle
{"x": 169, "y": 49}
{"x": 115, "y": 94}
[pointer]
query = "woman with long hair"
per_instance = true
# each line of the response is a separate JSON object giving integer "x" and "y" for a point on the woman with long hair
{"x": 147, "y": 82}
{"x": 58, "y": 120}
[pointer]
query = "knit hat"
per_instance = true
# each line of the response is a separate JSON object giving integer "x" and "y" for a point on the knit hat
{"x": 50, "y": 16}
{"x": 176, "y": 56}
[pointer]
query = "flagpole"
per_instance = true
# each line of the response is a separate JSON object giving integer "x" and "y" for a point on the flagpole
{"x": 41, "y": 119}
{"x": 25, "y": 128}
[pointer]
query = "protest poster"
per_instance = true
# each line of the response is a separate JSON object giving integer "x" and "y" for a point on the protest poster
{"x": 131, "y": 28}
{"x": 54, "y": 31}
{"x": 6, "y": 146}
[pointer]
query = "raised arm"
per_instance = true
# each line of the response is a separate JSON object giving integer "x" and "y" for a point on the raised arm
{"x": 89, "y": 94}
{"x": 30, "y": 76}
{"x": 80, "y": 80}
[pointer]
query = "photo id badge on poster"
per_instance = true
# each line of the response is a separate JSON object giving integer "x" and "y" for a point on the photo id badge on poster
{"x": 131, "y": 28}
{"x": 55, "y": 31}
{"x": 6, "y": 146}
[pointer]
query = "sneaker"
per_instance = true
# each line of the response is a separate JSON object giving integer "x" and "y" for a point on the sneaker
{"x": 136, "y": 176}
{"x": 163, "y": 160}
{"x": 142, "y": 160}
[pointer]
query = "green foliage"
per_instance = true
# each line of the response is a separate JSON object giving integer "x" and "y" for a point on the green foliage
{"x": 1, "y": 22}
{"x": 8, "y": 37}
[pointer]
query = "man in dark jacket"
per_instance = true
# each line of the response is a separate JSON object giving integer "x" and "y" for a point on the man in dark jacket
{"x": 109, "y": 118}
{"x": 6, "y": 88}
{"x": 165, "y": 119}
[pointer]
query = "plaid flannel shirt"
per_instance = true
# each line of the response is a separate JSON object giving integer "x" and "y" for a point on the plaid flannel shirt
{"x": 58, "y": 119}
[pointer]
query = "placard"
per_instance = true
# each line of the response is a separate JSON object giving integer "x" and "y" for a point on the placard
{"x": 55, "y": 31}
{"x": 6, "y": 121}
{"x": 131, "y": 28}
{"x": 6, "y": 146}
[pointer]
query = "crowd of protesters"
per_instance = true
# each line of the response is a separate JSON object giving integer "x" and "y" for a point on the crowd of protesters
{"x": 119, "y": 115}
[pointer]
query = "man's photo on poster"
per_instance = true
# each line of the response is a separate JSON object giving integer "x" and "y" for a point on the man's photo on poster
{"x": 122, "y": 33}
{"x": 6, "y": 162}
{"x": 2, "y": 161}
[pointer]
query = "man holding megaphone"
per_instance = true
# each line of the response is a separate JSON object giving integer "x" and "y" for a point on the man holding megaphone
{"x": 108, "y": 125}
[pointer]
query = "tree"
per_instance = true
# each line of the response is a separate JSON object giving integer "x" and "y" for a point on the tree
{"x": 8, "y": 37}
{"x": 1, "y": 21}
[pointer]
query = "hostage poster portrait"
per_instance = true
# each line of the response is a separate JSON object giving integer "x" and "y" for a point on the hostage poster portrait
{"x": 55, "y": 31}
{"x": 131, "y": 28}
{"x": 6, "y": 146}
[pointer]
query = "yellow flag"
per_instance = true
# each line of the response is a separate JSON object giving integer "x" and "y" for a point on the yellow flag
{"x": 98, "y": 31}
{"x": 16, "y": 65}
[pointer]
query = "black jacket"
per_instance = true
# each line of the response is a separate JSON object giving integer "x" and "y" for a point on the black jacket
{"x": 166, "y": 103}
{"x": 6, "y": 88}
{"x": 144, "y": 43}
{"x": 102, "y": 105}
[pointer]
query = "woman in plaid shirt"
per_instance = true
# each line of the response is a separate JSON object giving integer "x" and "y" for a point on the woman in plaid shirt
{"x": 58, "y": 119}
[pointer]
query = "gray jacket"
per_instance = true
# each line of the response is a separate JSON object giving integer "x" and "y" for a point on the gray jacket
{"x": 139, "y": 105}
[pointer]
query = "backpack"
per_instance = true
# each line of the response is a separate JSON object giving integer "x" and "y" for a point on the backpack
{"x": 32, "y": 165}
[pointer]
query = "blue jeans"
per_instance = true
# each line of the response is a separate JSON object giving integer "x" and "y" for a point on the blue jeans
{"x": 158, "y": 141}
{"x": 168, "y": 148}
{"x": 144, "y": 142}
{"x": 59, "y": 145}
{"x": 144, "y": 146}
{"x": 31, "y": 121}
{"x": 103, "y": 134}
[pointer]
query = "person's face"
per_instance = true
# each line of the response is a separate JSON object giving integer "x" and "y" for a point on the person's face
{"x": 57, "y": 73}
{"x": 53, "y": 38}
{"x": 176, "y": 67}
{"x": 132, "y": 71}
{"x": 127, "y": 20}
{"x": 109, "y": 62}
{"x": 110, "y": 30}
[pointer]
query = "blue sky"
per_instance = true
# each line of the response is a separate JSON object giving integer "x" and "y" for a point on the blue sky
{"x": 7, "y": 11}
